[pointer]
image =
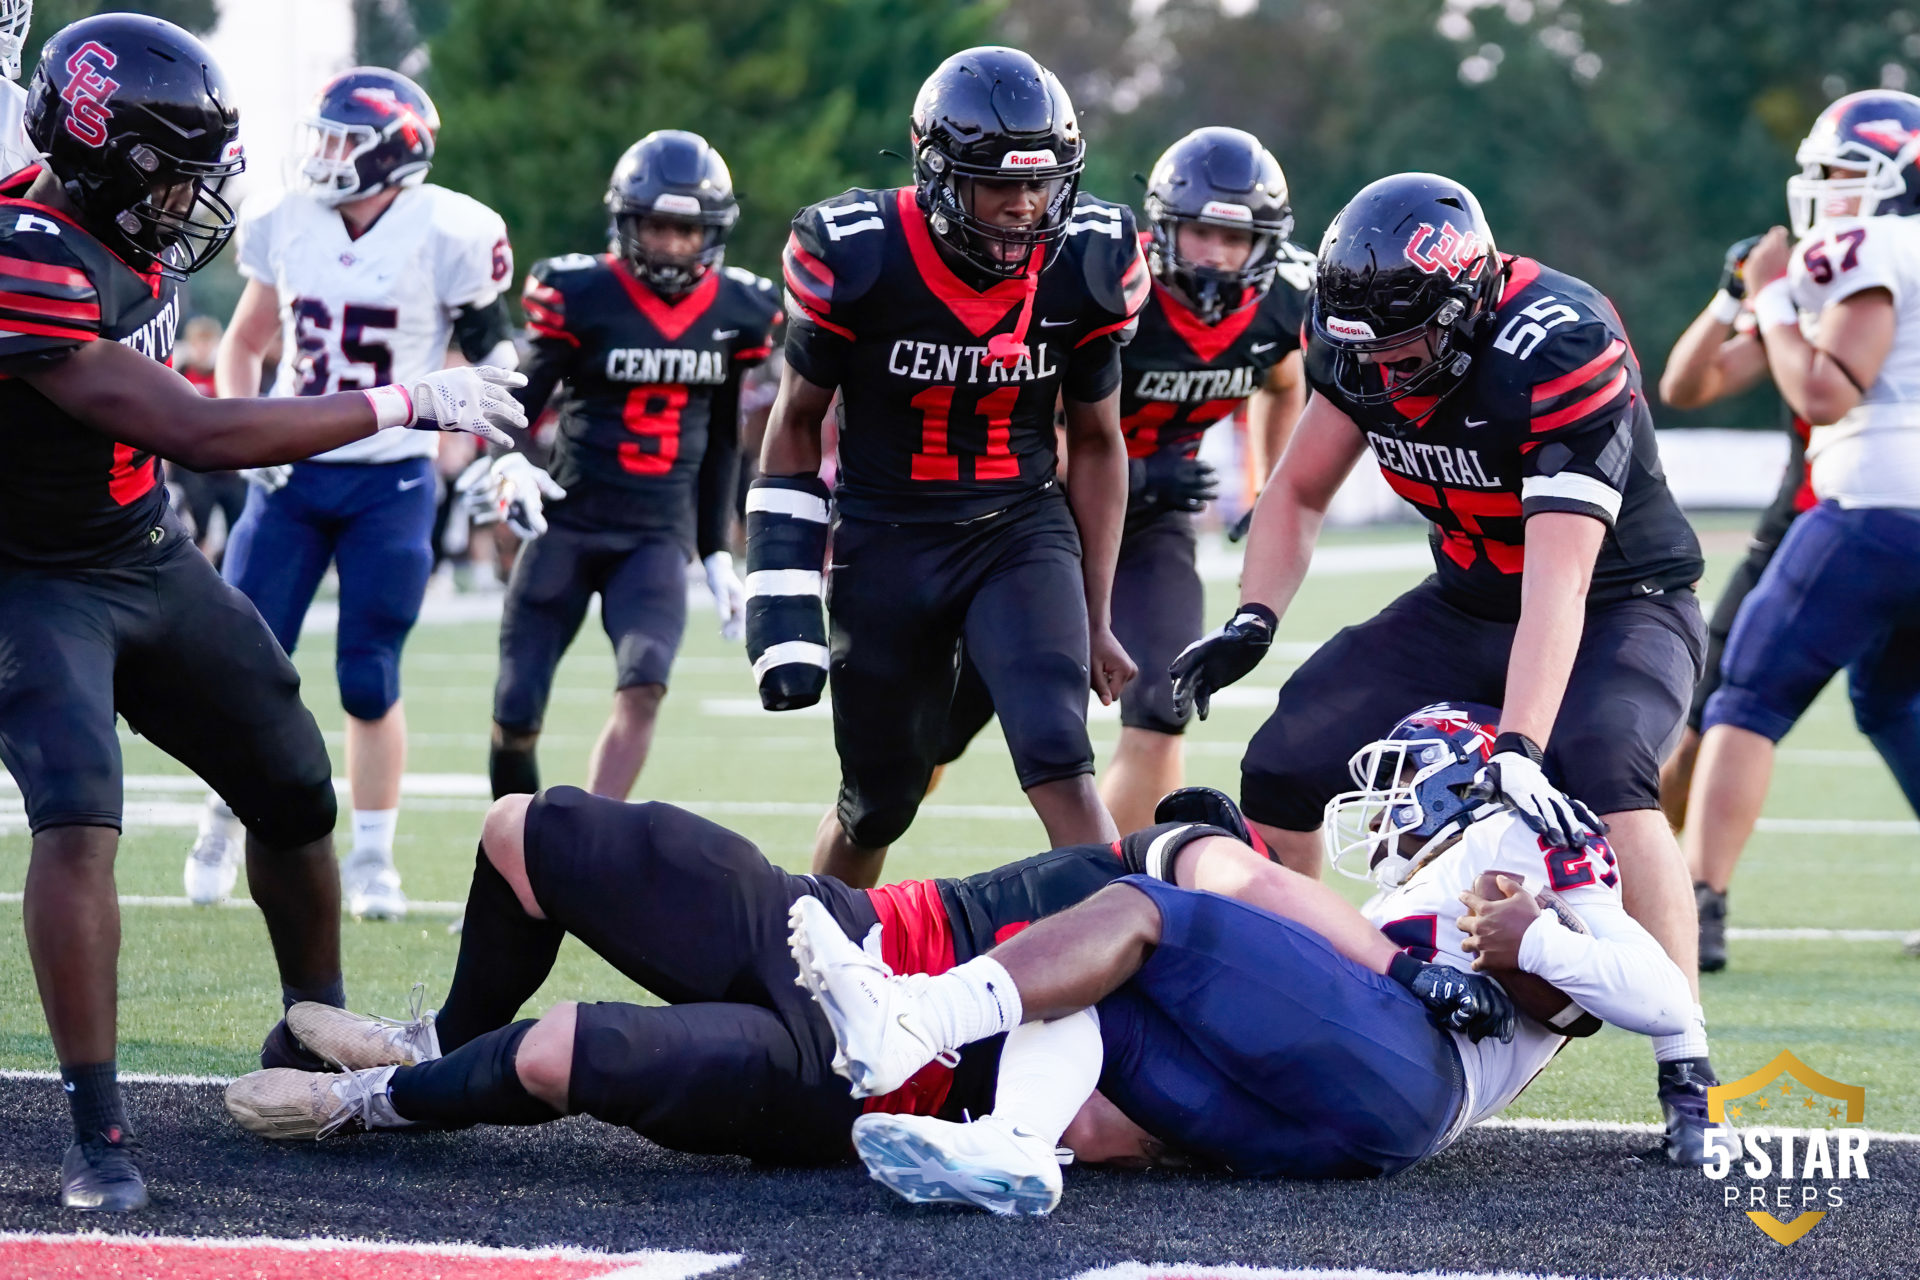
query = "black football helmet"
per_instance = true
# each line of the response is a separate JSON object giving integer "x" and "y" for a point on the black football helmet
{"x": 994, "y": 114}
{"x": 675, "y": 175}
{"x": 369, "y": 129}
{"x": 135, "y": 120}
{"x": 1224, "y": 178}
{"x": 1409, "y": 257}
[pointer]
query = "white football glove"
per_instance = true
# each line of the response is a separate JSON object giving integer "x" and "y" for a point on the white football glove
{"x": 472, "y": 398}
{"x": 729, "y": 595}
{"x": 1513, "y": 778}
{"x": 508, "y": 488}
{"x": 271, "y": 479}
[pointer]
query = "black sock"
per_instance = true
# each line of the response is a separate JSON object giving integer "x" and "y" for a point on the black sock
{"x": 93, "y": 1095}
{"x": 505, "y": 954}
{"x": 476, "y": 1084}
{"x": 334, "y": 993}
{"x": 512, "y": 771}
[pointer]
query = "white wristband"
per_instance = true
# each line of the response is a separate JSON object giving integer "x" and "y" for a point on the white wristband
{"x": 392, "y": 406}
{"x": 1725, "y": 308}
{"x": 1773, "y": 306}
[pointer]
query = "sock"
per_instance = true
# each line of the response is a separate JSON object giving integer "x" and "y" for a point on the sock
{"x": 512, "y": 771}
{"x": 477, "y": 1084}
{"x": 333, "y": 993}
{"x": 373, "y": 829}
{"x": 970, "y": 1002}
{"x": 505, "y": 954}
{"x": 218, "y": 820}
{"x": 1691, "y": 1043}
{"x": 1048, "y": 1070}
{"x": 93, "y": 1095}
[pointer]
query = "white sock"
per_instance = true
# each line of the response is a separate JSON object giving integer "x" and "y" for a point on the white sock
{"x": 373, "y": 829}
{"x": 971, "y": 1002}
{"x": 218, "y": 820}
{"x": 1048, "y": 1070}
{"x": 1691, "y": 1043}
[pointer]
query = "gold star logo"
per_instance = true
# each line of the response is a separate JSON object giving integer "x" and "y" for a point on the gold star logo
{"x": 1834, "y": 1110}
{"x": 1786, "y": 1088}
{"x": 1807, "y": 1102}
{"x": 1734, "y": 1112}
{"x": 1759, "y": 1102}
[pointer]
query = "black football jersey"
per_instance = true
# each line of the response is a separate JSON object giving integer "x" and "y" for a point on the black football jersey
{"x": 648, "y": 383}
{"x": 1551, "y": 417}
{"x": 932, "y": 426}
{"x": 1180, "y": 375}
{"x": 70, "y": 496}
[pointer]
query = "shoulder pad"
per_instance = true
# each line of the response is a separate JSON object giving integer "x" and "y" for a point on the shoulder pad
{"x": 262, "y": 204}
{"x": 460, "y": 217}
{"x": 48, "y": 297}
{"x": 545, "y": 293}
{"x": 757, "y": 293}
{"x": 555, "y": 270}
{"x": 1103, "y": 238}
{"x": 1568, "y": 367}
{"x": 1844, "y": 256}
{"x": 835, "y": 252}
{"x": 1296, "y": 267}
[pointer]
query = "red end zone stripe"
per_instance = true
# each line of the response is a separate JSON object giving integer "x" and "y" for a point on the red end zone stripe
{"x": 1568, "y": 381}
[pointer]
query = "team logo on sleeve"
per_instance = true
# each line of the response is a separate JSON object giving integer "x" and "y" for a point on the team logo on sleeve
{"x": 87, "y": 92}
{"x": 1785, "y": 1120}
{"x": 1450, "y": 251}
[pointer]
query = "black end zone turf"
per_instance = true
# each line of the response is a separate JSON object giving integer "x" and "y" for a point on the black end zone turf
{"x": 1502, "y": 1200}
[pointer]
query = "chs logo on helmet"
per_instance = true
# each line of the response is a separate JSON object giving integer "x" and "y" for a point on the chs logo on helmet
{"x": 1042, "y": 159}
{"x": 1226, "y": 211}
{"x": 1350, "y": 328}
{"x": 1450, "y": 250}
{"x": 87, "y": 92}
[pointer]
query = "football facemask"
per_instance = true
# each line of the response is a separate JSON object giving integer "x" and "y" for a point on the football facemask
{"x": 1404, "y": 789}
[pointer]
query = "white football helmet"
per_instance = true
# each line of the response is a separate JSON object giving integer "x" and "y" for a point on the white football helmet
{"x": 1875, "y": 131}
{"x": 15, "y": 17}
{"x": 1413, "y": 782}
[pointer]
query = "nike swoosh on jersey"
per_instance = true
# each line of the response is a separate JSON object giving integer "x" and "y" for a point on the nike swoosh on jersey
{"x": 414, "y": 483}
{"x": 1477, "y": 422}
{"x": 1054, "y": 324}
{"x": 1258, "y": 347}
{"x": 721, "y": 335}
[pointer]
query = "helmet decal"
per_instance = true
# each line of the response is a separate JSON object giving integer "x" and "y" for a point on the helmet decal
{"x": 87, "y": 93}
{"x": 1452, "y": 251}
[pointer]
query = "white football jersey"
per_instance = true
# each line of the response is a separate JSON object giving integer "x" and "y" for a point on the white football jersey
{"x": 1617, "y": 973}
{"x": 379, "y": 309}
{"x": 1871, "y": 457}
{"x": 16, "y": 153}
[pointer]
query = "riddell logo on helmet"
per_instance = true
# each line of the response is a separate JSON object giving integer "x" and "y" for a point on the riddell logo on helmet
{"x": 1451, "y": 251}
{"x": 1028, "y": 160}
{"x": 87, "y": 92}
{"x": 1349, "y": 328}
{"x": 672, "y": 202}
{"x": 1226, "y": 212}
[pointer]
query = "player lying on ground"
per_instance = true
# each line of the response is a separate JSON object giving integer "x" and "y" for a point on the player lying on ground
{"x": 1241, "y": 1039}
{"x": 739, "y": 1060}
{"x": 106, "y": 608}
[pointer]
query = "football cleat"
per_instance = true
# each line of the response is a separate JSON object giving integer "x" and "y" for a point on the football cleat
{"x": 881, "y": 1035}
{"x": 1713, "y": 928}
{"x": 99, "y": 1174}
{"x": 213, "y": 866}
{"x": 992, "y": 1163}
{"x": 371, "y": 886}
{"x": 357, "y": 1041}
{"x": 293, "y": 1106}
{"x": 1683, "y": 1101}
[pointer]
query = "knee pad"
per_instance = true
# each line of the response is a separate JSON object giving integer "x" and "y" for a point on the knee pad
{"x": 369, "y": 681}
{"x": 286, "y": 815}
{"x": 876, "y": 827}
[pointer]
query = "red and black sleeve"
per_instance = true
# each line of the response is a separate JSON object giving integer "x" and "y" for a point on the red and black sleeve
{"x": 1118, "y": 285}
{"x": 555, "y": 346}
{"x": 831, "y": 258}
{"x": 1583, "y": 383}
{"x": 48, "y": 303}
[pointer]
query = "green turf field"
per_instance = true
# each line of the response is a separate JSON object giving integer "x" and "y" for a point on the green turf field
{"x": 197, "y": 986}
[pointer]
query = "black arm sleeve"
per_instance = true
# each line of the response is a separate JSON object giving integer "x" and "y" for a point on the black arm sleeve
{"x": 716, "y": 488}
{"x": 552, "y": 360}
{"x": 479, "y": 329}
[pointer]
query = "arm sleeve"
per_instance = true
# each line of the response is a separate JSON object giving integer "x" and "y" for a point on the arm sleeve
{"x": 716, "y": 490}
{"x": 1117, "y": 287}
{"x": 480, "y": 329}
{"x": 48, "y": 303}
{"x": 1150, "y": 851}
{"x": 1618, "y": 973}
{"x": 820, "y": 331}
{"x": 1582, "y": 387}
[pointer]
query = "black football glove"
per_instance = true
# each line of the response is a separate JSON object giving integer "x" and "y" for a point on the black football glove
{"x": 1471, "y": 1003}
{"x": 1733, "y": 280}
{"x": 1241, "y": 527}
{"x": 1513, "y": 778}
{"x": 1218, "y": 658}
{"x": 1170, "y": 482}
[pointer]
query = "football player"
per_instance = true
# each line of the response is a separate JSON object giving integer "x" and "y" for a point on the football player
{"x": 650, "y": 340}
{"x": 1841, "y": 328}
{"x": 16, "y": 152}
{"x": 364, "y": 272}
{"x": 106, "y": 608}
{"x": 951, "y": 316}
{"x": 1224, "y": 1035}
{"x": 1220, "y": 329}
{"x": 1502, "y": 400}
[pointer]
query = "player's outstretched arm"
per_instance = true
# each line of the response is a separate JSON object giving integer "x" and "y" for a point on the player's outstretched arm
{"x": 246, "y": 340}
{"x": 1097, "y": 455}
{"x": 127, "y": 397}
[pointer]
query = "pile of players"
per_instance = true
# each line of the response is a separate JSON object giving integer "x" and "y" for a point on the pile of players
{"x": 973, "y": 570}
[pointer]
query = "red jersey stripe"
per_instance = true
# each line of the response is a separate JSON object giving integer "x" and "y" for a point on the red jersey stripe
{"x": 671, "y": 318}
{"x": 44, "y": 272}
{"x": 1521, "y": 272}
{"x": 11, "y": 328}
{"x": 1205, "y": 340}
{"x": 32, "y": 304}
{"x": 804, "y": 291}
{"x": 550, "y": 331}
{"x": 825, "y": 323}
{"x": 754, "y": 353}
{"x": 1581, "y": 408}
{"x": 813, "y": 266}
{"x": 1115, "y": 327}
{"x": 1568, "y": 381}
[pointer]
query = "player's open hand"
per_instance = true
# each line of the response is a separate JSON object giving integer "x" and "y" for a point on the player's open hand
{"x": 1110, "y": 666}
{"x": 471, "y": 398}
{"x": 508, "y": 488}
{"x": 1496, "y": 922}
{"x": 729, "y": 594}
{"x": 1218, "y": 658}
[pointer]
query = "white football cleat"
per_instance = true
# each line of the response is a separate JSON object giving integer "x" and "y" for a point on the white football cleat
{"x": 289, "y": 1105}
{"x": 357, "y": 1041}
{"x": 371, "y": 886}
{"x": 991, "y": 1162}
{"x": 881, "y": 1033}
{"x": 213, "y": 867}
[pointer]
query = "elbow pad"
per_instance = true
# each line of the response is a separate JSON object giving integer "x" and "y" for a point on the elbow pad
{"x": 786, "y": 619}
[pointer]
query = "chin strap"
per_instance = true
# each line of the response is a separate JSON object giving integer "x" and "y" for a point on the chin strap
{"x": 1009, "y": 349}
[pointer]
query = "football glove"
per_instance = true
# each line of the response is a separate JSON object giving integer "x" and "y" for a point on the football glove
{"x": 270, "y": 479}
{"x": 471, "y": 398}
{"x": 508, "y": 488}
{"x": 1218, "y": 658}
{"x": 1733, "y": 280}
{"x": 729, "y": 594}
{"x": 786, "y": 624}
{"x": 1470, "y": 1003}
{"x": 1170, "y": 482}
{"x": 1513, "y": 778}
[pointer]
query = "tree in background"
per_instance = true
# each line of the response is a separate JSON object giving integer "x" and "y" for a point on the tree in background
{"x": 538, "y": 98}
{"x": 197, "y": 16}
